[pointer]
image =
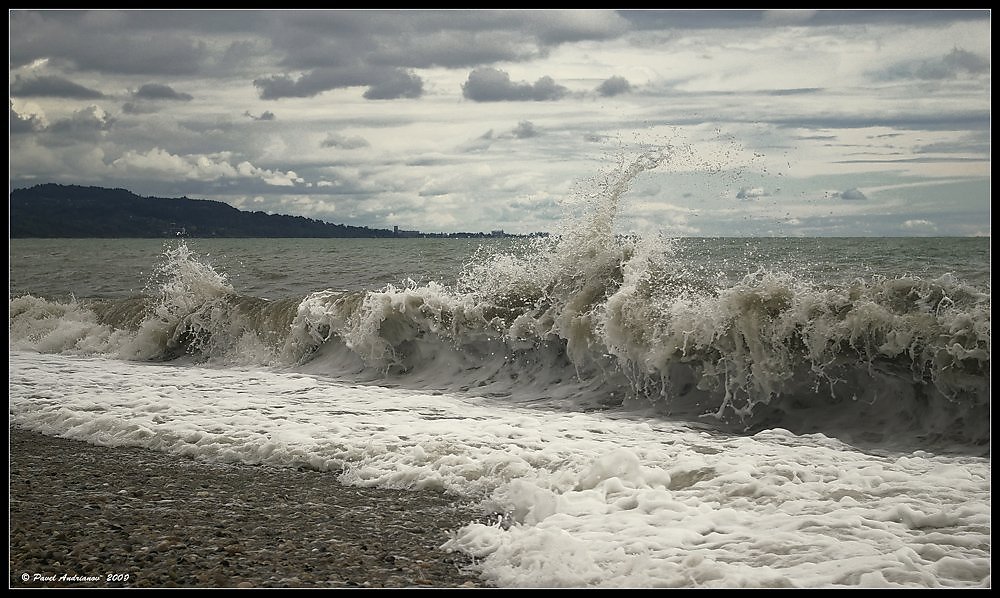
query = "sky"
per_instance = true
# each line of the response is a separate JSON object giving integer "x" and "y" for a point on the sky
{"x": 772, "y": 123}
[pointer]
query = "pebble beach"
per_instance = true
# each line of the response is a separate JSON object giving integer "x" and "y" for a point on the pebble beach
{"x": 83, "y": 515}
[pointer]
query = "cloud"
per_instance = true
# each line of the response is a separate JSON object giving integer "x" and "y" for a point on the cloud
{"x": 961, "y": 60}
{"x": 614, "y": 86}
{"x": 706, "y": 95}
{"x": 479, "y": 144}
{"x": 525, "y": 129}
{"x": 140, "y": 108}
{"x": 344, "y": 142}
{"x": 793, "y": 91}
{"x": 919, "y": 224}
{"x": 433, "y": 38}
{"x": 788, "y": 16}
{"x": 494, "y": 85}
{"x": 750, "y": 193}
{"x": 396, "y": 84}
{"x": 105, "y": 42}
{"x": 739, "y": 18}
{"x": 84, "y": 124}
{"x": 180, "y": 42}
{"x": 81, "y": 40}
{"x": 160, "y": 164}
{"x": 967, "y": 119}
{"x": 158, "y": 91}
{"x": 27, "y": 123}
{"x": 310, "y": 84}
{"x": 553, "y": 27}
{"x": 51, "y": 86}
{"x": 850, "y": 194}
{"x": 956, "y": 63}
{"x": 969, "y": 144}
{"x": 383, "y": 83}
{"x": 265, "y": 115}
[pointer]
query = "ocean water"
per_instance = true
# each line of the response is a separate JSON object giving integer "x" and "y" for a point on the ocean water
{"x": 631, "y": 411}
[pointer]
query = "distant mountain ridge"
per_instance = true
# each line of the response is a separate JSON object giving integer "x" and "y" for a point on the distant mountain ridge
{"x": 73, "y": 211}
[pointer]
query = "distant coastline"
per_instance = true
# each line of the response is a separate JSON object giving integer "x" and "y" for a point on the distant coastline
{"x": 51, "y": 211}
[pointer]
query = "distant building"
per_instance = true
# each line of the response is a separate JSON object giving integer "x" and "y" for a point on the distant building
{"x": 396, "y": 232}
{"x": 497, "y": 233}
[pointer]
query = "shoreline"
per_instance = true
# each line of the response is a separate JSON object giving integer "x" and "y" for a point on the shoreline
{"x": 89, "y": 516}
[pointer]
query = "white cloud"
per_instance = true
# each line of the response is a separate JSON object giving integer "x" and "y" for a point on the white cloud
{"x": 160, "y": 164}
{"x": 919, "y": 225}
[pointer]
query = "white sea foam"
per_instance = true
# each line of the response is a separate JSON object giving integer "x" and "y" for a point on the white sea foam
{"x": 584, "y": 499}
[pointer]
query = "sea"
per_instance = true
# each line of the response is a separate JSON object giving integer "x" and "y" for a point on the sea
{"x": 627, "y": 410}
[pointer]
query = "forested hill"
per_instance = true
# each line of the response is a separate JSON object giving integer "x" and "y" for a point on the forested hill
{"x": 73, "y": 211}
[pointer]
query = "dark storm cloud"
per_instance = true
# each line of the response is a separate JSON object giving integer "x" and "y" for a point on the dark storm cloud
{"x": 614, "y": 86}
{"x": 83, "y": 126}
{"x": 395, "y": 84}
{"x": 337, "y": 49}
{"x": 382, "y": 83}
{"x": 193, "y": 20}
{"x": 738, "y": 18}
{"x": 956, "y": 63}
{"x": 101, "y": 41}
{"x": 310, "y": 51}
{"x": 667, "y": 19}
{"x": 23, "y": 124}
{"x": 51, "y": 86}
{"x": 429, "y": 38}
{"x": 340, "y": 49}
{"x": 310, "y": 84}
{"x": 494, "y": 85}
{"x": 909, "y": 17}
{"x": 380, "y": 40}
{"x": 158, "y": 91}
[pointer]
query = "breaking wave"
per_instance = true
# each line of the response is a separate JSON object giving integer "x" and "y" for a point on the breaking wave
{"x": 589, "y": 319}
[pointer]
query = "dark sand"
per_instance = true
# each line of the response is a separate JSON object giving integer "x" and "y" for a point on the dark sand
{"x": 165, "y": 521}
